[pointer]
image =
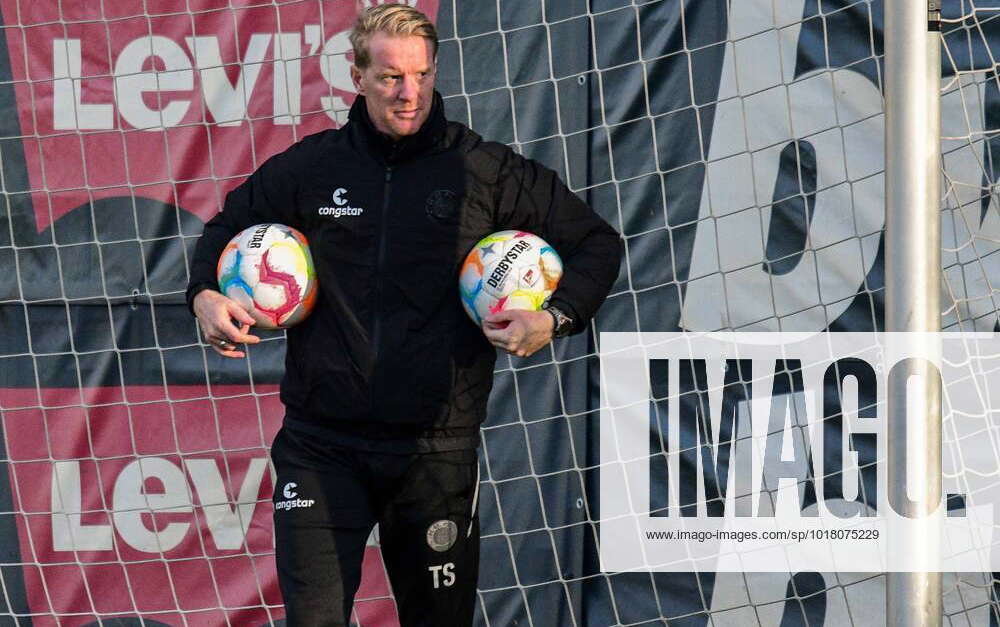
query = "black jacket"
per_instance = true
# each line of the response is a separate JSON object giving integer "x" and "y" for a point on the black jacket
{"x": 389, "y": 353}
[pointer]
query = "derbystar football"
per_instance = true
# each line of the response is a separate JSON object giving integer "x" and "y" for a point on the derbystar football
{"x": 508, "y": 270}
{"x": 268, "y": 270}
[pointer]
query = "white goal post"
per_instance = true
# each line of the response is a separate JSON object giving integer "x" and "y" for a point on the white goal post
{"x": 912, "y": 96}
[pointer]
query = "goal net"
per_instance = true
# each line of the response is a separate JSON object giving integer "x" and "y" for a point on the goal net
{"x": 736, "y": 146}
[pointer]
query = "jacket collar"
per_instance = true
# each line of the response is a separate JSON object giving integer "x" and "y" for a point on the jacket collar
{"x": 389, "y": 151}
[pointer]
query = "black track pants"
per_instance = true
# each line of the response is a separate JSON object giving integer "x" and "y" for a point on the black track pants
{"x": 326, "y": 501}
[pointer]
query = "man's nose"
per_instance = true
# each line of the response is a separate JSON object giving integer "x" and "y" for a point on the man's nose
{"x": 409, "y": 88}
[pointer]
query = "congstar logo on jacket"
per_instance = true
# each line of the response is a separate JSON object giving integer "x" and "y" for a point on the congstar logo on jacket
{"x": 341, "y": 207}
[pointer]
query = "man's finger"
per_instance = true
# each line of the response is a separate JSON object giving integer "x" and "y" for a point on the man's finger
{"x": 493, "y": 334}
{"x": 230, "y": 351}
{"x": 504, "y": 315}
{"x": 225, "y": 347}
{"x": 245, "y": 331}
{"x": 496, "y": 337}
{"x": 239, "y": 313}
{"x": 238, "y": 334}
{"x": 220, "y": 341}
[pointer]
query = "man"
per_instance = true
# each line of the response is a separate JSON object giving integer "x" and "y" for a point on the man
{"x": 386, "y": 383}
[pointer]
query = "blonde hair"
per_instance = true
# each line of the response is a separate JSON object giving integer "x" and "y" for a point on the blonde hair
{"x": 397, "y": 20}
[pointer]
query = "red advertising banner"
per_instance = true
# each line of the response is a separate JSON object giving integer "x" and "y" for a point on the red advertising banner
{"x": 173, "y": 100}
{"x": 155, "y": 501}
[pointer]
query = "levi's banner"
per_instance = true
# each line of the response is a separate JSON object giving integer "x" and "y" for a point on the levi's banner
{"x": 139, "y": 479}
{"x": 153, "y": 502}
{"x": 173, "y": 100}
{"x": 744, "y": 452}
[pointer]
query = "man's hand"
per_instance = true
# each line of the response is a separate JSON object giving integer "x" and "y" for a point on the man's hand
{"x": 216, "y": 314}
{"x": 519, "y": 332}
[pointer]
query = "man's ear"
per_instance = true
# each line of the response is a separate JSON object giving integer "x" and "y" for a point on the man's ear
{"x": 356, "y": 79}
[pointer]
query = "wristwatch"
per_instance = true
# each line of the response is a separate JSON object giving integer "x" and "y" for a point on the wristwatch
{"x": 562, "y": 324}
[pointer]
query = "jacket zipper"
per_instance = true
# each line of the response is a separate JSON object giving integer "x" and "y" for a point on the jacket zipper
{"x": 380, "y": 262}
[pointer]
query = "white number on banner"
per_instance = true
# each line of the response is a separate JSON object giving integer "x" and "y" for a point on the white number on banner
{"x": 762, "y": 110}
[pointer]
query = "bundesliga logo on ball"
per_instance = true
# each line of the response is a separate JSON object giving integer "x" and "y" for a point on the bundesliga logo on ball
{"x": 269, "y": 271}
{"x": 508, "y": 270}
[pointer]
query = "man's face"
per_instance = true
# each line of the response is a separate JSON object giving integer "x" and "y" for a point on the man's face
{"x": 398, "y": 84}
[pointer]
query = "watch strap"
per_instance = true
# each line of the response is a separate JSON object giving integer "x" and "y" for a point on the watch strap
{"x": 562, "y": 323}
